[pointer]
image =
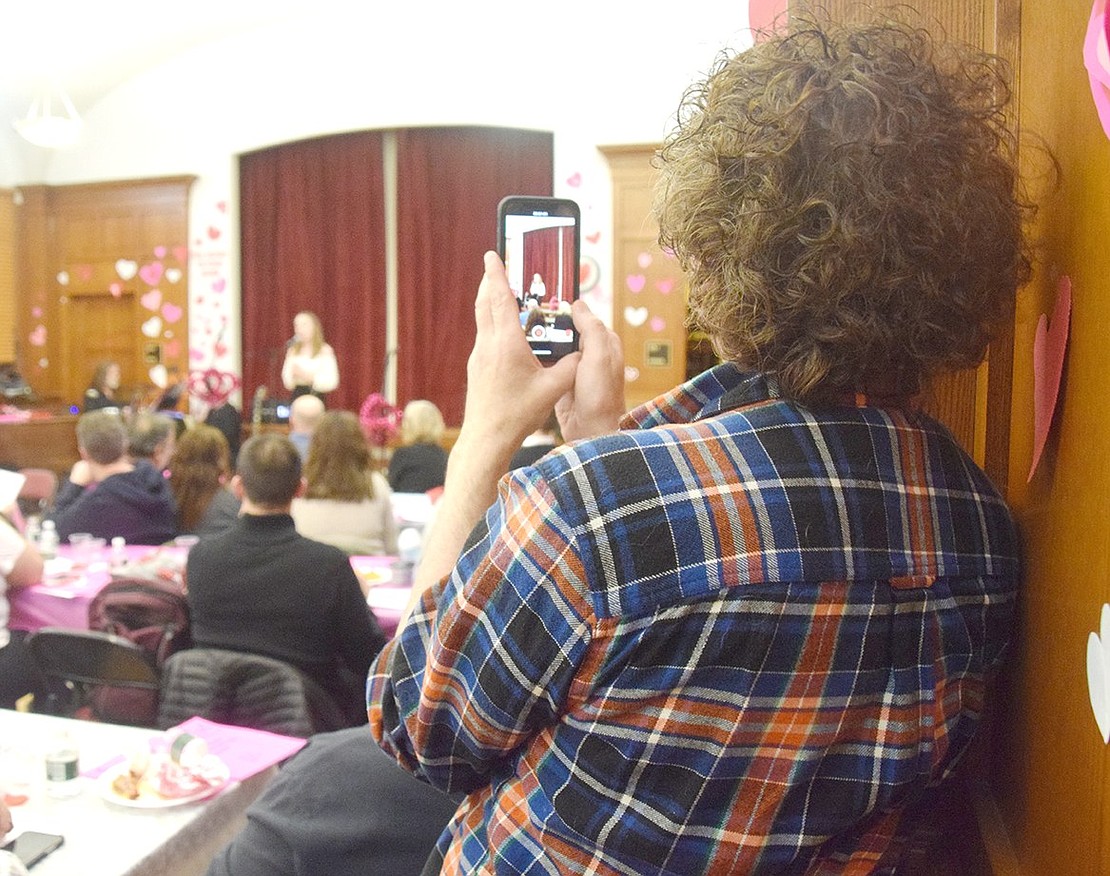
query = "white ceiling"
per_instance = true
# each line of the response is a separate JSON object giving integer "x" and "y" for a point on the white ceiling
{"x": 90, "y": 48}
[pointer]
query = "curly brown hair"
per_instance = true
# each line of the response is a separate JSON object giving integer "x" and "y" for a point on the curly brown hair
{"x": 200, "y": 464}
{"x": 339, "y": 465}
{"x": 845, "y": 201}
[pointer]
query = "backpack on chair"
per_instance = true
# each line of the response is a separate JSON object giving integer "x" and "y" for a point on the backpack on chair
{"x": 152, "y": 613}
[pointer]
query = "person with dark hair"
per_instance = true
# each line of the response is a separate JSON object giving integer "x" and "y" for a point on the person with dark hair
{"x": 102, "y": 388}
{"x": 742, "y": 628}
{"x": 108, "y": 495}
{"x": 200, "y": 471}
{"x": 151, "y": 436}
{"x": 20, "y": 566}
{"x": 261, "y": 588}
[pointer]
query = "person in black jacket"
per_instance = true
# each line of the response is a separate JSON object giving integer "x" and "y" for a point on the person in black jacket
{"x": 342, "y": 807}
{"x": 420, "y": 464}
{"x": 262, "y": 588}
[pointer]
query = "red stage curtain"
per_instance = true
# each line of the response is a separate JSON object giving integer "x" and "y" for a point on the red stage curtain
{"x": 569, "y": 266}
{"x": 313, "y": 238}
{"x": 541, "y": 256}
{"x": 449, "y": 181}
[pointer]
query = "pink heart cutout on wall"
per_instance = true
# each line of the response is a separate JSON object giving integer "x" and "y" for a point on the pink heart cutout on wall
{"x": 38, "y": 336}
{"x": 160, "y": 252}
{"x": 1050, "y": 343}
{"x": 171, "y": 312}
{"x": 635, "y": 282}
{"x": 657, "y": 324}
{"x": 574, "y": 180}
{"x": 1096, "y": 58}
{"x": 152, "y": 300}
{"x": 151, "y": 273}
{"x": 664, "y": 286}
{"x": 213, "y": 232}
{"x": 84, "y": 272}
{"x": 181, "y": 253}
{"x": 116, "y": 289}
{"x": 172, "y": 349}
{"x": 593, "y": 238}
{"x": 218, "y": 285}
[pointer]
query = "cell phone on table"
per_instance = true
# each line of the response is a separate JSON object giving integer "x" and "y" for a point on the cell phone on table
{"x": 539, "y": 240}
{"x": 31, "y": 846}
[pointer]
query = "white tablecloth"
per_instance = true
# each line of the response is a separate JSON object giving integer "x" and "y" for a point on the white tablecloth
{"x": 103, "y": 838}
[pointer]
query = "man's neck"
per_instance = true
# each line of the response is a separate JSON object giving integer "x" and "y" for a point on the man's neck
{"x": 256, "y": 510}
{"x": 100, "y": 472}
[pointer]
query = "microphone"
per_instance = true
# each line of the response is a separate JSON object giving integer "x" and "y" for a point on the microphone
{"x": 292, "y": 342}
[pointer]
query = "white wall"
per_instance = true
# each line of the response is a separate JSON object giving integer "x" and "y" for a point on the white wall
{"x": 603, "y": 73}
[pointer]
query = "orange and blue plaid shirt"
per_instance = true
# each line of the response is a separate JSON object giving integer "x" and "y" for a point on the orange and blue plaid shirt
{"x": 738, "y": 636}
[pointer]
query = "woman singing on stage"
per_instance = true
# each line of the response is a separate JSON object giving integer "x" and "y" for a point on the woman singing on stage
{"x": 310, "y": 365}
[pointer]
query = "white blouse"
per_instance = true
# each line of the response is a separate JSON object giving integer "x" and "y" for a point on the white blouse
{"x": 366, "y": 527}
{"x": 323, "y": 368}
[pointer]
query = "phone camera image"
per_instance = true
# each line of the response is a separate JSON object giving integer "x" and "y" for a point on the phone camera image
{"x": 539, "y": 242}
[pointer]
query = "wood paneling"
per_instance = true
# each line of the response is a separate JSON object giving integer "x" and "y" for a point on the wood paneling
{"x": 73, "y": 297}
{"x": 7, "y": 277}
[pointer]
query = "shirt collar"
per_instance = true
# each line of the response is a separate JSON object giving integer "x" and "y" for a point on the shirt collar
{"x": 720, "y": 388}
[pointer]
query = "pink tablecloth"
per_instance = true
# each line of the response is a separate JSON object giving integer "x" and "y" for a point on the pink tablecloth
{"x": 63, "y": 600}
{"x": 63, "y": 597}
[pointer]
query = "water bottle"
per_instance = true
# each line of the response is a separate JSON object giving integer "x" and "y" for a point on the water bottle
{"x": 48, "y": 540}
{"x": 62, "y": 779}
{"x": 408, "y": 555}
{"x": 118, "y": 558}
{"x": 33, "y": 528}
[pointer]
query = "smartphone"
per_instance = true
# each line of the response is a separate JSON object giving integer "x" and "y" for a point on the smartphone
{"x": 31, "y": 847}
{"x": 539, "y": 240}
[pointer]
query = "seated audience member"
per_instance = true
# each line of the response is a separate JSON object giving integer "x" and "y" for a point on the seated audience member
{"x": 107, "y": 494}
{"x": 420, "y": 463}
{"x": 339, "y": 807}
{"x": 229, "y": 421}
{"x": 304, "y": 416}
{"x": 262, "y": 588}
{"x": 200, "y": 470}
{"x": 744, "y": 627}
{"x": 537, "y": 445}
{"x": 346, "y": 503}
{"x": 103, "y": 389}
{"x": 20, "y": 566}
{"x": 151, "y": 436}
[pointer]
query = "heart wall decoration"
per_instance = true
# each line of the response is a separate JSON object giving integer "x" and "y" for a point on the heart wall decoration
{"x": 1098, "y": 673}
{"x": 1050, "y": 343}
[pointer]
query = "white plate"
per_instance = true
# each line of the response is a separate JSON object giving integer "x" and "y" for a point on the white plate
{"x": 150, "y": 799}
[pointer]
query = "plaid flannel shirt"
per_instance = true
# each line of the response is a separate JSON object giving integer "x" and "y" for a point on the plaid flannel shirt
{"x": 738, "y": 636}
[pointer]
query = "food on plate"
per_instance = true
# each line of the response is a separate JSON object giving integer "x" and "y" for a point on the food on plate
{"x": 158, "y": 777}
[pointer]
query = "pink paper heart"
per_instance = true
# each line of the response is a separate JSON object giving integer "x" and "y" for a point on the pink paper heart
{"x": 151, "y": 273}
{"x": 196, "y": 355}
{"x": 160, "y": 252}
{"x": 593, "y": 238}
{"x": 643, "y": 259}
{"x": 221, "y": 206}
{"x": 181, "y": 253}
{"x": 213, "y": 232}
{"x": 200, "y": 299}
{"x": 763, "y": 13}
{"x": 152, "y": 300}
{"x": 116, "y": 289}
{"x": 664, "y": 286}
{"x": 219, "y": 284}
{"x": 1096, "y": 58}
{"x": 172, "y": 349}
{"x": 36, "y": 312}
{"x": 1050, "y": 343}
{"x": 171, "y": 312}
{"x": 38, "y": 336}
{"x": 635, "y": 282}
{"x": 84, "y": 272}
{"x": 221, "y": 349}
{"x": 657, "y": 324}
{"x": 574, "y": 180}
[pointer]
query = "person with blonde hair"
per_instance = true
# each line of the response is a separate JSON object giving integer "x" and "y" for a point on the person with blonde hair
{"x": 310, "y": 365}
{"x": 346, "y": 503}
{"x": 200, "y": 471}
{"x": 744, "y": 627}
{"x": 420, "y": 463}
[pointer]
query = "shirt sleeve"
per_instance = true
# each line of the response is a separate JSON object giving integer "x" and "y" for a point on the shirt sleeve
{"x": 488, "y": 657}
{"x": 326, "y": 375}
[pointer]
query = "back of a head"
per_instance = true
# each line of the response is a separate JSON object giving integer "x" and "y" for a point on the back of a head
{"x": 305, "y": 413}
{"x": 146, "y": 432}
{"x": 845, "y": 201}
{"x": 270, "y": 469}
{"x": 103, "y": 436}
{"x": 198, "y": 466}
{"x": 339, "y": 464}
{"x": 421, "y": 423}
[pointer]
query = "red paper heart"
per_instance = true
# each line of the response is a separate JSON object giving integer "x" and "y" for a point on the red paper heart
{"x": 1050, "y": 343}
{"x": 212, "y": 386}
{"x": 575, "y": 180}
{"x": 213, "y": 232}
{"x": 593, "y": 238}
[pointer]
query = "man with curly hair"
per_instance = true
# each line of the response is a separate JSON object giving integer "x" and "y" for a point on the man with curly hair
{"x": 742, "y": 628}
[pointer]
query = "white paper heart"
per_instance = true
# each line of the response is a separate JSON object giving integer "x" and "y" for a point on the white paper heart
{"x": 631, "y": 372}
{"x": 173, "y": 274}
{"x": 152, "y": 327}
{"x": 635, "y": 316}
{"x": 158, "y": 376}
{"x": 63, "y": 278}
{"x": 127, "y": 269}
{"x": 1098, "y": 674}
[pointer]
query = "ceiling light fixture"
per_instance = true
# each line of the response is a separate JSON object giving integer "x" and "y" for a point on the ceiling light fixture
{"x": 51, "y": 122}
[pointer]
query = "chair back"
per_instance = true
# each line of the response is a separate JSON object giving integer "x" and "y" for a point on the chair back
{"x": 247, "y": 690}
{"x": 95, "y": 674}
{"x": 151, "y": 612}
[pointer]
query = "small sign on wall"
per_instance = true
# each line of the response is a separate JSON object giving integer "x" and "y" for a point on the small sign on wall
{"x": 152, "y": 354}
{"x": 657, "y": 353}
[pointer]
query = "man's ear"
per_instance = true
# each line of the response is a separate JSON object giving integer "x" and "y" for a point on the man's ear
{"x": 237, "y": 487}
{"x": 302, "y": 487}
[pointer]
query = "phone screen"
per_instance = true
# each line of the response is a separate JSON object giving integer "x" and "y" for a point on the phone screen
{"x": 31, "y": 847}
{"x": 539, "y": 241}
